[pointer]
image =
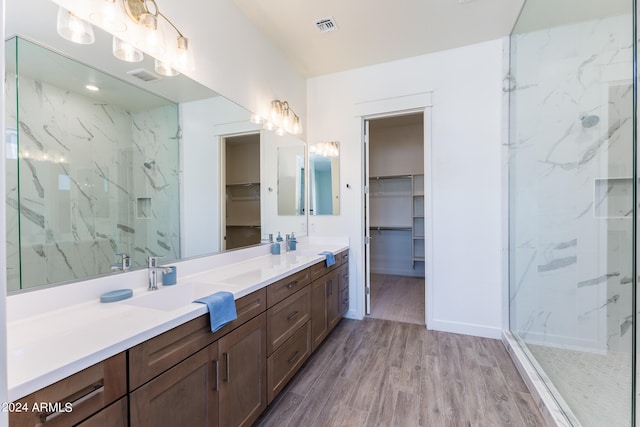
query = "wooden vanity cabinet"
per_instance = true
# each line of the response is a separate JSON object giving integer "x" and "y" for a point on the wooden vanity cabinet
{"x": 154, "y": 356}
{"x": 75, "y": 398}
{"x": 288, "y": 339}
{"x": 114, "y": 415}
{"x": 344, "y": 284}
{"x": 243, "y": 374}
{"x": 327, "y": 298}
{"x": 185, "y": 395}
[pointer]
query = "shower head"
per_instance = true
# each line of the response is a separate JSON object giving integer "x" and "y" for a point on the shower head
{"x": 149, "y": 164}
{"x": 589, "y": 121}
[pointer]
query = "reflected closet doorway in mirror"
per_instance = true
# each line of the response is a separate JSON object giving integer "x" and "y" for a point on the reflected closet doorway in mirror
{"x": 241, "y": 183}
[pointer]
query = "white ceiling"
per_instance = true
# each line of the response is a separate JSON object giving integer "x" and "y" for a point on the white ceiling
{"x": 373, "y": 32}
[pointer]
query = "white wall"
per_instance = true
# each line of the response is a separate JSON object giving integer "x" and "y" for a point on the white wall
{"x": 465, "y": 293}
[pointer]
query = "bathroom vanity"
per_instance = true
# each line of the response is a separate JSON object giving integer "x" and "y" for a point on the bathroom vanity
{"x": 185, "y": 374}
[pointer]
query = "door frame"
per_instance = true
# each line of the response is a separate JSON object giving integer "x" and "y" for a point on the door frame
{"x": 421, "y": 102}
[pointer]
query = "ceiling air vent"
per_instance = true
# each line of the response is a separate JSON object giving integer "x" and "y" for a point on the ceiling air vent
{"x": 326, "y": 25}
{"x": 144, "y": 75}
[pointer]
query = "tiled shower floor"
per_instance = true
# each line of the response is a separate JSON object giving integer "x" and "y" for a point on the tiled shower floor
{"x": 597, "y": 387}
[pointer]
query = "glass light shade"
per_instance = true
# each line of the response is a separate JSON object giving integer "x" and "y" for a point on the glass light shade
{"x": 125, "y": 52}
{"x": 165, "y": 69}
{"x": 149, "y": 20}
{"x": 74, "y": 29}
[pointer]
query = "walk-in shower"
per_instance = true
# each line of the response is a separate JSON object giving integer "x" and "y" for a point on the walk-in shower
{"x": 572, "y": 187}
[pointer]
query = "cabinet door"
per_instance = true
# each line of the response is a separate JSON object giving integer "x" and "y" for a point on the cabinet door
{"x": 319, "y": 322}
{"x": 243, "y": 373}
{"x": 334, "y": 303}
{"x": 185, "y": 395}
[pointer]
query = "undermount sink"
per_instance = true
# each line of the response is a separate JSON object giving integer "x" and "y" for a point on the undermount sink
{"x": 170, "y": 298}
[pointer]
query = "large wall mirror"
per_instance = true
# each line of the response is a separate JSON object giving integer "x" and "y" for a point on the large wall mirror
{"x": 133, "y": 167}
{"x": 324, "y": 178}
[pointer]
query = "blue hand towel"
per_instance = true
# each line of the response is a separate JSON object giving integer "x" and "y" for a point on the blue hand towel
{"x": 222, "y": 309}
{"x": 329, "y": 258}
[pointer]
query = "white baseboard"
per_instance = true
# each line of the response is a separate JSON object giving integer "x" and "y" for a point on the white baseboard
{"x": 465, "y": 329}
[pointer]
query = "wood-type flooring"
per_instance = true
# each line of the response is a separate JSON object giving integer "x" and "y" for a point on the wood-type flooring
{"x": 385, "y": 373}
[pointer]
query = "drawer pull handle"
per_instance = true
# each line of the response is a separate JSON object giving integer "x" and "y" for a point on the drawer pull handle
{"x": 75, "y": 399}
{"x": 292, "y": 284}
{"x": 227, "y": 369}
{"x": 215, "y": 366}
{"x": 292, "y": 315}
{"x": 330, "y": 287}
{"x": 293, "y": 357}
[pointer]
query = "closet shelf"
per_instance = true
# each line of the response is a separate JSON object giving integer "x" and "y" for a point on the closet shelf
{"x": 389, "y": 194}
{"x": 243, "y": 225}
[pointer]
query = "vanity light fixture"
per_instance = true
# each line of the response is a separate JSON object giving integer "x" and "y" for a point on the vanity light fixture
{"x": 325, "y": 149}
{"x": 284, "y": 116}
{"x": 139, "y": 12}
{"x": 74, "y": 29}
{"x": 148, "y": 33}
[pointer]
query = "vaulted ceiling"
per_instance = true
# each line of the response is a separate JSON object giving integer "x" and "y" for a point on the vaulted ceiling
{"x": 373, "y": 32}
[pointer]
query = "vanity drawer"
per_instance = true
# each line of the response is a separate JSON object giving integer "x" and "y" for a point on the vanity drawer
{"x": 344, "y": 257}
{"x": 320, "y": 269}
{"x": 344, "y": 277}
{"x": 160, "y": 353}
{"x": 284, "y": 318}
{"x": 283, "y": 288}
{"x": 75, "y": 398}
{"x": 116, "y": 415}
{"x": 286, "y": 360}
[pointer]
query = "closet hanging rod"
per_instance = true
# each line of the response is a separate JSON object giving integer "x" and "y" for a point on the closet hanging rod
{"x": 390, "y": 177}
{"x": 390, "y": 228}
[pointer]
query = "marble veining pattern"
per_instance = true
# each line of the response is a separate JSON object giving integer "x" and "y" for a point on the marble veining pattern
{"x": 570, "y": 204}
{"x": 82, "y": 170}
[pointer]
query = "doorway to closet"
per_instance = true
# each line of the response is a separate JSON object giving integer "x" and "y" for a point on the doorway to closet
{"x": 395, "y": 218}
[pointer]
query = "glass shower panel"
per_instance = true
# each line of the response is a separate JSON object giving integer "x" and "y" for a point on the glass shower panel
{"x": 571, "y": 203}
{"x": 95, "y": 178}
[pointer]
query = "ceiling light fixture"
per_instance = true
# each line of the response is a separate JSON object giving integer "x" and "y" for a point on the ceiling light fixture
{"x": 74, "y": 29}
{"x": 92, "y": 88}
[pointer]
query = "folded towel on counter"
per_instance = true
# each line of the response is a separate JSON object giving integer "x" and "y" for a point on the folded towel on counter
{"x": 222, "y": 309}
{"x": 329, "y": 258}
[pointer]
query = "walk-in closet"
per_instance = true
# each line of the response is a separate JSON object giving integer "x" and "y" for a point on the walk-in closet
{"x": 397, "y": 218}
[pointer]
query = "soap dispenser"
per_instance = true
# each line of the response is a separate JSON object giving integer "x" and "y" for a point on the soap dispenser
{"x": 275, "y": 246}
{"x": 292, "y": 242}
{"x": 279, "y": 242}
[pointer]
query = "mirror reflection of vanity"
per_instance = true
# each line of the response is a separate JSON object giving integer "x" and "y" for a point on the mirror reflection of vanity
{"x": 134, "y": 167}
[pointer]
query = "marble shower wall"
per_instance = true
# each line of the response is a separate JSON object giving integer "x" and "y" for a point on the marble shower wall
{"x": 570, "y": 185}
{"x": 95, "y": 180}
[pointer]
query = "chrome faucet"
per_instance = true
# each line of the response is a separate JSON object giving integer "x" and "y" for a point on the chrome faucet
{"x": 154, "y": 269}
{"x": 287, "y": 243}
{"x": 123, "y": 263}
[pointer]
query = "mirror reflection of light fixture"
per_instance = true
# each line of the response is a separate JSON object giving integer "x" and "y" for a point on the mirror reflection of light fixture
{"x": 325, "y": 149}
{"x": 284, "y": 116}
{"x": 74, "y": 29}
{"x": 125, "y": 52}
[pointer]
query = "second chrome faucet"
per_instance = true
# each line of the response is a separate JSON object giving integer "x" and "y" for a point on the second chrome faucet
{"x": 154, "y": 269}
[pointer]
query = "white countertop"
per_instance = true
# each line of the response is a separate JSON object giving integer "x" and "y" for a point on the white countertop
{"x": 64, "y": 339}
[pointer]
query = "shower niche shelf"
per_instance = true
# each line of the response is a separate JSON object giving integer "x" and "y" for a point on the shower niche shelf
{"x": 613, "y": 198}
